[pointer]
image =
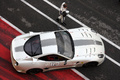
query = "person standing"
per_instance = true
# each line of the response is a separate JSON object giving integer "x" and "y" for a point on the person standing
{"x": 62, "y": 13}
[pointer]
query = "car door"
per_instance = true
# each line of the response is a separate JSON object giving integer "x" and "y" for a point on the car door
{"x": 55, "y": 61}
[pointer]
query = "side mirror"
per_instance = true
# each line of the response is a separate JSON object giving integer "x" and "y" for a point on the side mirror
{"x": 31, "y": 33}
{"x": 34, "y": 59}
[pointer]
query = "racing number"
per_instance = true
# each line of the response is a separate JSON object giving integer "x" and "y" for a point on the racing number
{"x": 54, "y": 63}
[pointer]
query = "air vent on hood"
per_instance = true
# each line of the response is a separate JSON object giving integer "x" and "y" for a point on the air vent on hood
{"x": 90, "y": 50}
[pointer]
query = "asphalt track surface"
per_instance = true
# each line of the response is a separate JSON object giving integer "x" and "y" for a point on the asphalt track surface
{"x": 102, "y": 16}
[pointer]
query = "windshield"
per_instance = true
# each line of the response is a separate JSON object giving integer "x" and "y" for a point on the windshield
{"x": 33, "y": 46}
{"x": 65, "y": 43}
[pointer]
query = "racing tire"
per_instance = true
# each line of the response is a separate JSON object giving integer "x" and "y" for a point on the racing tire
{"x": 90, "y": 64}
{"x": 34, "y": 71}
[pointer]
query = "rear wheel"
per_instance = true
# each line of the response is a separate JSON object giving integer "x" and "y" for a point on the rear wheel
{"x": 91, "y": 64}
{"x": 34, "y": 71}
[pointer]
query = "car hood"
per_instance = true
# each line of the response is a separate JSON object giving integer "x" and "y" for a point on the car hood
{"x": 86, "y": 42}
{"x": 88, "y": 50}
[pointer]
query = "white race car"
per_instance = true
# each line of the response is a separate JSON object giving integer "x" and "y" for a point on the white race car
{"x": 43, "y": 51}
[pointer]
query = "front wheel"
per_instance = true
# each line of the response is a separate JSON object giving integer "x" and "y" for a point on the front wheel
{"x": 34, "y": 71}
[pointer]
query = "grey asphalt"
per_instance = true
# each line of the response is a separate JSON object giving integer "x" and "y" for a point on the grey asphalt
{"x": 102, "y": 16}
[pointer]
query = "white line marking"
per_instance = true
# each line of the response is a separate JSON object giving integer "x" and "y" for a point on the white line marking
{"x": 13, "y": 26}
{"x": 43, "y": 14}
{"x": 110, "y": 42}
{"x": 118, "y": 47}
{"x": 80, "y": 74}
{"x": 113, "y": 60}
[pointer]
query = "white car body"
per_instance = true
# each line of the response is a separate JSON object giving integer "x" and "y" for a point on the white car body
{"x": 87, "y": 47}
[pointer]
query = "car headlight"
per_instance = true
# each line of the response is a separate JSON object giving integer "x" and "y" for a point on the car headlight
{"x": 100, "y": 55}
